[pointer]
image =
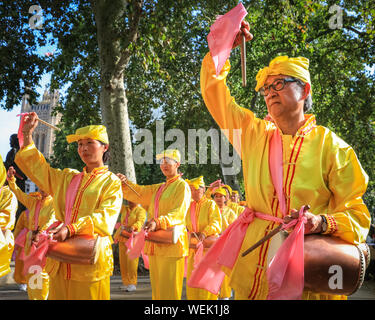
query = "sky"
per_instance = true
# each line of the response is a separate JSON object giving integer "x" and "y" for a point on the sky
{"x": 9, "y": 121}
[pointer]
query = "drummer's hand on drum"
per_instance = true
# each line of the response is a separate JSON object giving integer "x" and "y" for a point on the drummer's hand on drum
{"x": 313, "y": 222}
{"x": 127, "y": 229}
{"x": 200, "y": 236}
{"x": 60, "y": 234}
{"x": 244, "y": 30}
{"x": 150, "y": 225}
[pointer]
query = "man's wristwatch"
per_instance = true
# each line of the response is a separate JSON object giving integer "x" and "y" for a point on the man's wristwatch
{"x": 324, "y": 224}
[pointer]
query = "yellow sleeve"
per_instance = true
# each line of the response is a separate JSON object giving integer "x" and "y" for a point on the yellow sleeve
{"x": 177, "y": 212}
{"x": 145, "y": 192}
{"x": 8, "y": 209}
{"x": 35, "y": 166}
{"x": 348, "y": 182}
{"x": 26, "y": 200}
{"x": 140, "y": 220}
{"x": 222, "y": 106}
{"x": 20, "y": 224}
{"x": 214, "y": 217}
{"x": 105, "y": 216}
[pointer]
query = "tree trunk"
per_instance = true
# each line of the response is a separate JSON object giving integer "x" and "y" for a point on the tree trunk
{"x": 113, "y": 61}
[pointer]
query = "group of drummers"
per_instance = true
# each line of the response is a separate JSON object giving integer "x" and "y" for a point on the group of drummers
{"x": 303, "y": 204}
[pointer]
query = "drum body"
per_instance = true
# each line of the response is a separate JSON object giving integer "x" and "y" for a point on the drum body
{"x": 334, "y": 266}
{"x": 79, "y": 249}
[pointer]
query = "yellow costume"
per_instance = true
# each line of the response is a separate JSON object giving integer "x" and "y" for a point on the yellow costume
{"x": 319, "y": 169}
{"x": 228, "y": 217}
{"x": 238, "y": 209}
{"x": 134, "y": 218}
{"x": 166, "y": 260}
{"x": 209, "y": 223}
{"x": 97, "y": 205}
{"x": 27, "y": 220}
{"x": 8, "y": 209}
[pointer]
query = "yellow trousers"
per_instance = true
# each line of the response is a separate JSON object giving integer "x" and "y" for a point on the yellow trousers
{"x": 18, "y": 270}
{"x": 37, "y": 286}
{"x": 61, "y": 289}
{"x": 128, "y": 267}
{"x": 195, "y": 293}
{"x": 225, "y": 290}
{"x": 167, "y": 276}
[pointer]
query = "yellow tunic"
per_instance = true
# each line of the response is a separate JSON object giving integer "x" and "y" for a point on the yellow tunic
{"x": 45, "y": 219}
{"x": 136, "y": 218}
{"x": 8, "y": 209}
{"x": 238, "y": 209}
{"x": 320, "y": 169}
{"x": 209, "y": 223}
{"x": 173, "y": 205}
{"x": 166, "y": 260}
{"x": 98, "y": 203}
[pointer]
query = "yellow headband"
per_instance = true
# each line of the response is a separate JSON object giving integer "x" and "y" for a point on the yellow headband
{"x": 234, "y": 192}
{"x": 294, "y": 67}
{"x": 96, "y": 132}
{"x": 222, "y": 191}
{"x": 170, "y": 153}
{"x": 3, "y": 172}
{"x": 227, "y": 188}
{"x": 196, "y": 182}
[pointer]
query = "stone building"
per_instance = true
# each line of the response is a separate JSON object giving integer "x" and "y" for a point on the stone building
{"x": 43, "y": 136}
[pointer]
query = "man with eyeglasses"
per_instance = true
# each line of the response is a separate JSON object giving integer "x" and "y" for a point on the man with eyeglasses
{"x": 318, "y": 168}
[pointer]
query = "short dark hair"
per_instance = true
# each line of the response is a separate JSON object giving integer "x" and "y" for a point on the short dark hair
{"x": 107, "y": 154}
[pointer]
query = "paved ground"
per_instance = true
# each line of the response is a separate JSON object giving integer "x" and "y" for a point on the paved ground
{"x": 9, "y": 290}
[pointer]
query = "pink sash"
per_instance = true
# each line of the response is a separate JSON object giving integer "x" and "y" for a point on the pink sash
{"x": 38, "y": 251}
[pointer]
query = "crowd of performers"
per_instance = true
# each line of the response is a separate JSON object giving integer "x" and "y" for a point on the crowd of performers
{"x": 296, "y": 173}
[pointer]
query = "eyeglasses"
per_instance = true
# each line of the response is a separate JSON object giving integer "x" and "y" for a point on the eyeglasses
{"x": 277, "y": 85}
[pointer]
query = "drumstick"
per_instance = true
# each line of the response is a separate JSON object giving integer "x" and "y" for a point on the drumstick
{"x": 49, "y": 125}
{"x": 132, "y": 189}
{"x": 243, "y": 59}
{"x": 268, "y": 236}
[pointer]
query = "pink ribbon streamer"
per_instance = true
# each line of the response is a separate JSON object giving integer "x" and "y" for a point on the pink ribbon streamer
{"x": 222, "y": 35}
{"x": 20, "y": 134}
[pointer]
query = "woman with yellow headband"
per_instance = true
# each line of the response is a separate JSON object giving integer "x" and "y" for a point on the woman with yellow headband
{"x": 319, "y": 169}
{"x": 96, "y": 207}
{"x": 8, "y": 209}
{"x": 167, "y": 205}
{"x": 228, "y": 216}
{"x": 203, "y": 220}
{"x": 133, "y": 216}
{"x": 38, "y": 216}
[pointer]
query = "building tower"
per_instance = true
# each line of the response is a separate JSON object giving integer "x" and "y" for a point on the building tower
{"x": 43, "y": 136}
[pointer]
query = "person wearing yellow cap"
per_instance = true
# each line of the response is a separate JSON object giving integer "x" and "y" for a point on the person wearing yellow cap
{"x": 96, "y": 200}
{"x": 167, "y": 205}
{"x": 318, "y": 168}
{"x": 8, "y": 209}
{"x": 38, "y": 216}
{"x": 203, "y": 220}
{"x": 228, "y": 216}
{"x": 133, "y": 216}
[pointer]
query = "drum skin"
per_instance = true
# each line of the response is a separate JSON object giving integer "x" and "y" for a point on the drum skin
{"x": 79, "y": 249}
{"x": 332, "y": 265}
